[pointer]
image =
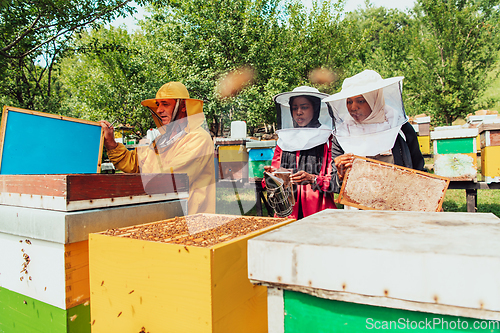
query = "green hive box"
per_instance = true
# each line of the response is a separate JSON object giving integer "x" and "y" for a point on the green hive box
{"x": 455, "y": 153}
{"x": 260, "y": 154}
{"x": 363, "y": 271}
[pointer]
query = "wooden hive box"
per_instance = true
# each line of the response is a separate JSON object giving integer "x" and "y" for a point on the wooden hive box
{"x": 455, "y": 152}
{"x": 170, "y": 281}
{"x": 44, "y": 281}
{"x": 424, "y": 125}
{"x": 490, "y": 151}
{"x": 57, "y": 144}
{"x": 72, "y": 192}
{"x": 344, "y": 270}
{"x": 260, "y": 154}
{"x": 370, "y": 184}
{"x": 233, "y": 159}
{"x": 425, "y": 144}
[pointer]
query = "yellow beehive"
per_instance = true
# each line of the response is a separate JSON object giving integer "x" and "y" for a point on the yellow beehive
{"x": 425, "y": 144}
{"x": 184, "y": 287}
{"x": 490, "y": 163}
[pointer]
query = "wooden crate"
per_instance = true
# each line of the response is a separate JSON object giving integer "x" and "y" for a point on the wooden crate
{"x": 489, "y": 134}
{"x": 371, "y": 184}
{"x": 455, "y": 153}
{"x": 51, "y": 144}
{"x": 174, "y": 287}
{"x": 425, "y": 144}
{"x": 333, "y": 270}
{"x": 88, "y": 191}
{"x": 56, "y": 243}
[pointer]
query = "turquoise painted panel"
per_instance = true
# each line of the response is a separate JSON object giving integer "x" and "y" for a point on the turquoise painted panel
{"x": 35, "y": 144}
{"x": 265, "y": 154}
{"x": 22, "y": 314}
{"x": 306, "y": 313}
{"x": 456, "y": 146}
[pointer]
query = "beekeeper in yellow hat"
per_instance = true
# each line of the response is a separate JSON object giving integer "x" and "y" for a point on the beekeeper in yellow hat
{"x": 180, "y": 145}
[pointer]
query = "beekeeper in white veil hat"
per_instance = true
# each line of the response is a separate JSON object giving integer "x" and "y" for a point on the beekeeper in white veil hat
{"x": 370, "y": 121}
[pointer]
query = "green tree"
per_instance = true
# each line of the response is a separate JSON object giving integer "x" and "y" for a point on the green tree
{"x": 33, "y": 37}
{"x": 454, "y": 49}
{"x": 107, "y": 77}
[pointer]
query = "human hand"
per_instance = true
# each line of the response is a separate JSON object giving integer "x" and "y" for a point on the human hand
{"x": 342, "y": 163}
{"x": 302, "y": 178}
{"x": 268, "y": 168}
{"x": 109, "y": 134}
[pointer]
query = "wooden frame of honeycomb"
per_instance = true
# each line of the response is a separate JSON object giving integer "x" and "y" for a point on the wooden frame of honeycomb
{"x": 375, "y": 185}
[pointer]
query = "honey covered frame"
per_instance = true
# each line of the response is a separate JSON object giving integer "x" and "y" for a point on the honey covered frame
{"x": 377, "y": 186}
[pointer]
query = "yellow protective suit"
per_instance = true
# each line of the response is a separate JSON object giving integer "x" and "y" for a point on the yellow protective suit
{"x": 192, "y": 154}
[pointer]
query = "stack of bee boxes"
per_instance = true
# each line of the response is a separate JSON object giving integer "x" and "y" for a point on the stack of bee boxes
{"x": 370, "y": 271}
{"x": 423, "y": 132}
{"x": 455, "y": 153}
{"x": 44, "y": 225}
{"x": 260, "y": 154}
{"x": 490, "y": 151}
{"x": 179, "y": 275}
{"x": 233, "y": 158}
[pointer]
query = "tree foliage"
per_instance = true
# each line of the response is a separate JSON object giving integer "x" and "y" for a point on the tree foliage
{"x": 445, "y": 49}
{"x": 455, "y": 46}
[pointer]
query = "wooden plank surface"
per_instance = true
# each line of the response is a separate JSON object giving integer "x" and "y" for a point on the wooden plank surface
{"x": 89, "y": 187}
{"x": 71, "y": 227}
{"x": 44, "y": 278}
{"x": 238, "y": 306}
{"x": 154, "y": 285}
{"x": 58, "y": 145}
{"x": 76, "y": 265}
{"x": 77, "y": 187}
{"x": 450, "y": 259}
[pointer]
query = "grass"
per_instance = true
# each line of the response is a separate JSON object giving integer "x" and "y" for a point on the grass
{"x": 488, "y": 201}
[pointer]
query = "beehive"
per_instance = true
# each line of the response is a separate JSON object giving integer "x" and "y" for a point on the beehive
{"x": 178, "y": 275}
{"x": 260, "y": 154}
{"x": 233, "y": 159}
{"x": 424, "y": 124}
{"x": 342, "y": 270}
{"x": 371, "y": 184}
{"x": 455, "y": 154}
{"x": 425, "y": 144}
{"x": 490, "y": 151}
{"x": 44, "y": 281}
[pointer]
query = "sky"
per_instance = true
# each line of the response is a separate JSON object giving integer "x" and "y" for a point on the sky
{"x": 131, "y": 21}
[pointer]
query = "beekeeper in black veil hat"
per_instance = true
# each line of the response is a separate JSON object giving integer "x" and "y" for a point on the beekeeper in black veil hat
{"x": 304, "y": 146}
{"x": 370, "y": 121}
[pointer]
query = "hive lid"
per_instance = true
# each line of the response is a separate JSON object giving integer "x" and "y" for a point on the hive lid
{"x": 489, "y": 126}
{"x": 454, "y": 133}
{"x": 423, "y": 120}
{"x": 450, "y": 259}
{"x": 261, "y": 144}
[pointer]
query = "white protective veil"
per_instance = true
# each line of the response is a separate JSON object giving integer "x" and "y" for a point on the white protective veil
{"x": 378, "y": 132}
{"x": 294, "y": 138}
